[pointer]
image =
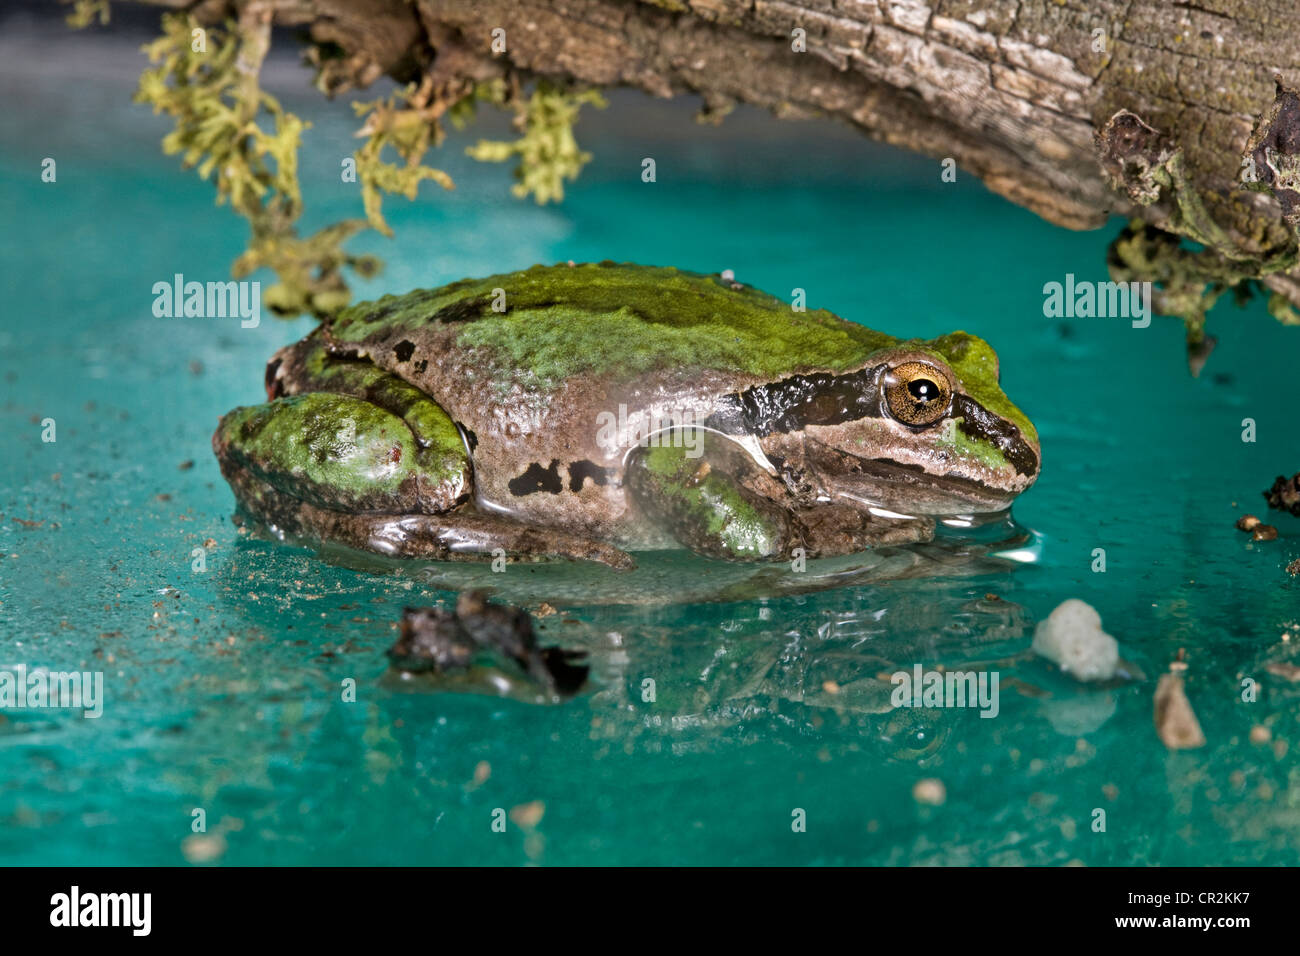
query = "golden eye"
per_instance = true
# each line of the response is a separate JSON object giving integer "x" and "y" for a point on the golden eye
{"x": 917, "y": 393}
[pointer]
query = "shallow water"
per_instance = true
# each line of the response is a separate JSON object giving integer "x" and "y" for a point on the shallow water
{"x": 224, "y": 688}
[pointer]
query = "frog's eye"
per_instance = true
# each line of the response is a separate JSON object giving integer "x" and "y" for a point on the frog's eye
{"x": 917, "y": 393}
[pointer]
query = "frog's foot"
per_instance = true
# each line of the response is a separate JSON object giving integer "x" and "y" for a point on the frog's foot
{"x": 829, "y": 530}
{"x": 700, "y": 496}
{"x": 719, "y": 503}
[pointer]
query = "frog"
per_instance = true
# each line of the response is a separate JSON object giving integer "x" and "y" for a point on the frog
{"x": 592, "y": 411}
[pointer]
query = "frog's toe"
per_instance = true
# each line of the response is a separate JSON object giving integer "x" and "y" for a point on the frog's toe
{"x": 470, "y": 536}
{"x": 829, "y": 530}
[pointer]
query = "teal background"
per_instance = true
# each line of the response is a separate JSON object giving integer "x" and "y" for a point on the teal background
{"x": 223, "y": 688}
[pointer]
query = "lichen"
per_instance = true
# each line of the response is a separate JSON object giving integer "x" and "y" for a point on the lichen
{"x": 86, "y": 12}
{"x": 1186, "y": 255}
{"x": 547, "y": 151}
{"x": 226, "y": 126}
{"x": 207, "y": 81}
{"x": 408, "y": 122}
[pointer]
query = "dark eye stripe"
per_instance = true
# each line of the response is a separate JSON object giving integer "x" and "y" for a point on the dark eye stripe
{"x": 979, "y": 423}
{"x": 798, "y": 401}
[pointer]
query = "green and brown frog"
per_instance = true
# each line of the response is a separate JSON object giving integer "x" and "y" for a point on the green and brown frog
{"x": 588, "y": 411}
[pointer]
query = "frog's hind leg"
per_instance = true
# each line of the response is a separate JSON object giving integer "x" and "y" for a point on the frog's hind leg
{"x": 348, "y": 453}
{"x": 459, "y": 535}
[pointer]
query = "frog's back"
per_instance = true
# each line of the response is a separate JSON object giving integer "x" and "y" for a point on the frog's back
{"x": 537, "y": 329}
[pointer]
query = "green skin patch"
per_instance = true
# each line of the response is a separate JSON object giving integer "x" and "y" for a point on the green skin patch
{"x": 439, "y": 439}
{"x": 710, "y": 507}
{"x": 334, "y": 451}
{"x": 661, "y": 317}
{"x": 954, "y": 440}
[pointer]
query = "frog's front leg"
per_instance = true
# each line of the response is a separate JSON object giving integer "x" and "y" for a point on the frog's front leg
{"x": 716, "y": 501}
{"x": 691, "y": 483}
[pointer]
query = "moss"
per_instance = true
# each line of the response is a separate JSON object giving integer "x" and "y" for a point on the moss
{"x": 230, "y": 128}
{"x": 406, "y": 122}
{"x": 222, "y": 117}
{"x": 649, "y": 317}
{"x": 86, "y": 12}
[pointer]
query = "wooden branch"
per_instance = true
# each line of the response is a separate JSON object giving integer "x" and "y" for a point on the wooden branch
{"x": 1016, "y": 91}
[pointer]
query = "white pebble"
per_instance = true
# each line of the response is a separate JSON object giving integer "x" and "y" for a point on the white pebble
{"x": 1072, "y": 638}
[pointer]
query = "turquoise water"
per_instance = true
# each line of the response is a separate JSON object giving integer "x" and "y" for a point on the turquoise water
{"x": 224, "y": 688}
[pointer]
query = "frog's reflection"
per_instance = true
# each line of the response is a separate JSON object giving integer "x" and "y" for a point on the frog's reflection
{"x": 801, "y": 657}
{"x": 788, "y": 669}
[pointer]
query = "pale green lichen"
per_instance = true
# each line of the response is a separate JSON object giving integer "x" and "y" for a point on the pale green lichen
{"x": 547, "y": 151}
{"x": 86, "y": 12}
{"x": 407, "y": 122}
{"x": 207, "y": 81}
{"x": 1189, "y": 281}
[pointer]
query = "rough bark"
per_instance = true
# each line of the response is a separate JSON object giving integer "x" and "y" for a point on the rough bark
{"x": 1016, "y": 91}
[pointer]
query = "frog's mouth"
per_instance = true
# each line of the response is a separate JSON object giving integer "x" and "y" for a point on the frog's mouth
{"x": 885, "y": 485}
